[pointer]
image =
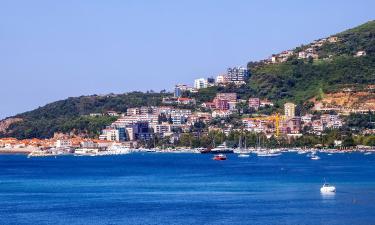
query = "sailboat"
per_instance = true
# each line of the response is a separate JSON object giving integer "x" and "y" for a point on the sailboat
{"x": 263, "y": 152}
{"x": 242, "y": 151}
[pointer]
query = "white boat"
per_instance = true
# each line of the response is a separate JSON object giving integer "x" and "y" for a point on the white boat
{"x": 327, "y": 188}
{"x": 243, "y": 156}
{"x": 315, "y": 157}
{"x": 367, "y": 153}
{"x": 268, "y": 154}
{"x": 222, "y": 149}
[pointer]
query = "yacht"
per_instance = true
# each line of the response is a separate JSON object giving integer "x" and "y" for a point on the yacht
{"x": 327, "y": 188}
{"x": 222, "y": 149}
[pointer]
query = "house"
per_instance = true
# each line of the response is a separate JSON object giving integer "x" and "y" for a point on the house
{"x": 360, "y": 53}
{"x": 254, "y": 103}
{"x": 221, "y": 113}
{"x": 63, "y": 143}
{"x": 265, "y": 102}
{"x": 333, "y": 39}
{"x": 186, "y": 101}
{"x": 112, "y": 113}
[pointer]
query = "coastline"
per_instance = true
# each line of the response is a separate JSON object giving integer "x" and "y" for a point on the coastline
{"x": 7, "y": 151}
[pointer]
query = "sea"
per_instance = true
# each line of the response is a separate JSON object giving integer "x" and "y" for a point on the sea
{"x": 161, "y": 188}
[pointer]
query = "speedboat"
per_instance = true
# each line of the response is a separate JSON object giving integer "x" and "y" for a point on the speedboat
{"x": 222, "y": 149}
{"x": 243, "y": 155}
{"x": 327, "y": 188}
{"x": 220, "y": 157}
{"x": 315, "y": 157}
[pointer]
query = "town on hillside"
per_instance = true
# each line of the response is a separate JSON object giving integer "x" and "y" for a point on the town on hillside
{"x": 183, "y": 123}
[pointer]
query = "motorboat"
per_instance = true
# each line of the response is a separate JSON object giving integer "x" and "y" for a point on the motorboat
{"x": 327, "y": 188}
{"x": 222, "y": 149}
{"x": 243, "y": 155}
{"x": 203, "y": 150}
{"x": 220, "y": 157}
{"x": 315, "y": 157}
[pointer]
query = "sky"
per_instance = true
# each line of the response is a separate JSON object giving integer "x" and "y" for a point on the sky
{"x": 51, "y": 50}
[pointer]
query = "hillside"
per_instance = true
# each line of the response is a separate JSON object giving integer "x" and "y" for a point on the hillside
{"x": 335, "y": 66}
{"x": 70, "y": 114}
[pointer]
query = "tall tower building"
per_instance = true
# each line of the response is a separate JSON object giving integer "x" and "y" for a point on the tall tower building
{"x": 290, "y": 110}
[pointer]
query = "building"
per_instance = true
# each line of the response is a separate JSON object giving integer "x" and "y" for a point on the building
{"x": 63, "y": 143}
{"x": 221, "y": 104}
{"x": 265, "y": 102}
{"x": 291, "y": 126}
{"x": 333, "y": 39}
{"x": 227, "y": 96}
{"x": 237, "y": 75}
{"x": 139, "y": 131}
{"x": 290, "y": 110}
{"x": 112, "y": 113}
{"x": 254, "y": 103}
{"x": 200, "y": 83}
{"x": 179, "y": 89}
{"x": 360, "y": 53}
{"x": 132, "y": 111}
{"x": 186, "y": 101}
{"x": 162, "y": 128}
{"x": 221, "y": 79}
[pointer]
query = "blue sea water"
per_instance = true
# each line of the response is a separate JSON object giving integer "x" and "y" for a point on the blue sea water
{"x": 186, "y": 189}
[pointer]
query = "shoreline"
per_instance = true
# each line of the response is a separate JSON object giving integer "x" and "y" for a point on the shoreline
{"x": 15, "y": 151}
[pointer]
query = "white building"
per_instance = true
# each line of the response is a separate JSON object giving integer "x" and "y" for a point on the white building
{"x": 63, "y": 143}
{"x": 360, "y": 53}
{"x": 221, "y": 79}
{"x": 200, "y": 83}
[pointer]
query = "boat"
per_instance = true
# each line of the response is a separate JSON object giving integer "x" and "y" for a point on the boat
{"x": 203, "y": 150}
{"x": 222, "y": 149}
{"x": 315, "y": 157}
{"x": 268, "y": 154}
{"x": 327, "y": 188}
{"x": 367, "y": 153}
{"x": 242, "y": 155}
{"x": 220, "y": 157}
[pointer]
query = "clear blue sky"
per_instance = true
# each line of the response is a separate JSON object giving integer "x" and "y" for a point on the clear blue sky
{"x": 51, "y": 50}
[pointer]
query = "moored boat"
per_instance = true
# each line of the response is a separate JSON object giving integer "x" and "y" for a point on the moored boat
{"x": 220, "y": 157}
{"x": 221, "y": 149}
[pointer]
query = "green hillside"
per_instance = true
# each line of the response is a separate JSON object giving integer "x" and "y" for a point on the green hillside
{"x": 337, "y": 67}
{"x": 71, "y": 114}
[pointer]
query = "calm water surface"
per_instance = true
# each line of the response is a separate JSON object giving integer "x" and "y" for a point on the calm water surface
{"x": 186, "y": 189}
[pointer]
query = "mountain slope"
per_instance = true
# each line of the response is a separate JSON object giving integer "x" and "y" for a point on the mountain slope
{"x": 70, "y": 114}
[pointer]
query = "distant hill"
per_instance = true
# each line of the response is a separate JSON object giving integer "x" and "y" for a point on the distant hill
{"x": 71, "y": 114}
{"x": 332, "y": 67}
